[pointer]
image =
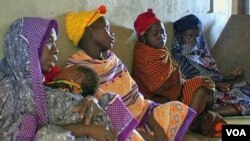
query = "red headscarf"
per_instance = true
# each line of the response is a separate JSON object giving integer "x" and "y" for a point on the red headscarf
{"x": 144, "y": 21}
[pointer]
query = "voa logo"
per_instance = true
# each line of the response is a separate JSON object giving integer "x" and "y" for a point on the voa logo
{"x": 236, "y": 132}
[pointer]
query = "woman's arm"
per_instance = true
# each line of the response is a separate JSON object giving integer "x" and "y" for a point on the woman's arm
{"x": 234, "y": 76}
{"x": 159, "y": 133}
{"x": 97, "y": 131}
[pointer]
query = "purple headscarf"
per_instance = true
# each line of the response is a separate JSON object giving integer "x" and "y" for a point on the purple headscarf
{"x": 21, "y": 78}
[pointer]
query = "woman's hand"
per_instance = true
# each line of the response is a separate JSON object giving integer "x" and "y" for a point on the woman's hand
{"x": 99, "y": 132}
{"x": 234, "y": 76}
{"x": 223, "y": 87}
{"x": 88, "y": 108}
{"x": 102, "y": 133}
{"x": 238, "y": 71}
{"x": 208, "y": 83}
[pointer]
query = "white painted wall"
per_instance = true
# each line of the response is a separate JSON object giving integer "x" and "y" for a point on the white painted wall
{"x": 121, "y": 14}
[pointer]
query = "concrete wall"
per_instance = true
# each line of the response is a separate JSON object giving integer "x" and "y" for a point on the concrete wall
{"x": 121, "y": 14}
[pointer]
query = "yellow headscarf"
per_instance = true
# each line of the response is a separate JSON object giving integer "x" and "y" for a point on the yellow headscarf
{"x": 76, "y": 22}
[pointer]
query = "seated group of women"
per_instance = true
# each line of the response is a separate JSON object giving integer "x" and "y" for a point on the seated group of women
{"x": 95, "y": 98}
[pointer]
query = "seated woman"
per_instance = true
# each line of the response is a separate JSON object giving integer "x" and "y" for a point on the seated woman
{"x": 157, "y": 75}
{"x": 90, "y": 31}
{"x": 191, "y": 52}
{"x": 31, "y": 51}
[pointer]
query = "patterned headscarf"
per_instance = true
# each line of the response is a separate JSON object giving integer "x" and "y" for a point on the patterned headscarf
{"x": 21, "y": 77}
{"x": 76, "y": 22}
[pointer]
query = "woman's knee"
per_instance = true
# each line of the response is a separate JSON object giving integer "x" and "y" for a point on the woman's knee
{"x": 207, "y": 95}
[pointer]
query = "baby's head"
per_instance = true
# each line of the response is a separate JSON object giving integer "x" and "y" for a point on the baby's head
{"x": 84, "y": 76}
{"x": 150, "y": 30}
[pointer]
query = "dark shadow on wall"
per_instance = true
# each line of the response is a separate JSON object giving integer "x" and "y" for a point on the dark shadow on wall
{"x": 232, "y": 47}
{"x": 170, "y": 34}
{"x": 124, "y": 44}
{"x": 63, "y": 43}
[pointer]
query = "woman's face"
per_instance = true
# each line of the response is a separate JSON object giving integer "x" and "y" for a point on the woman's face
{"x": 102, "y": 35}
{"x": 190, "y": 37}
{"x": 156, "y": 36}
{"x": 49, "y": 54}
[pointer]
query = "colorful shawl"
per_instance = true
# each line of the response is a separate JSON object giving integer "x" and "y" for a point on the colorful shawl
{"x": 151, "y": 68}
{"x": 156, "y": 74}
{"x": 197, "y": 60}
{"x": 115, "y": 78}
{"x": 23, "y": 99}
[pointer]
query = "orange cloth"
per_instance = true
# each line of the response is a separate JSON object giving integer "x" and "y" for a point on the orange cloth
{"x": 156, "y": 74}
{"x": 148, "y": 66}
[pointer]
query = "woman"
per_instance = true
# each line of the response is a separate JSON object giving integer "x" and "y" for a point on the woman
{"x": 31, "y": 51}
{"x": 90, "y": 31}
{"x": 158, "y": 76}
{"x": 191, "y": 52}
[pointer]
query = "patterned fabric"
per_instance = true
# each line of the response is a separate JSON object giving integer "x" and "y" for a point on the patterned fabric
{"x": 155, "y": 71}
{"x": 197, "y": 60}
{"x": 60, "y": 108}
{"x": 152, "y": 67}
{"x": 174, "y": 121}
{"x": 193, "y": 60}
{"x": 23, "y": 100}
{"x": 122, "y": 120}
{"x": 66, "y": 85}
{"x": 116, "y": 79}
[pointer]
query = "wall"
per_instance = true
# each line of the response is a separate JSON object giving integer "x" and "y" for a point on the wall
{"x": 121, "y": 14}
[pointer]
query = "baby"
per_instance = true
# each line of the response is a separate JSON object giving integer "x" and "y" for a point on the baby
{"x": 66, "y": 90}
{"x": 76, "y": 79}
{"x": 75, "y": 82}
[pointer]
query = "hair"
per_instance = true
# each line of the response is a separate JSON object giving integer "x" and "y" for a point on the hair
{"x": 91, "y": 81}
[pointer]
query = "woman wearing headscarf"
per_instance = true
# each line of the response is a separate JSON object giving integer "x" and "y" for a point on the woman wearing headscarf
{"x": 23, "y": 99}
{"x": 26, "y": 106}
{"x": 191, "y": 52}
{"x": 159, "y": 79}
{"x": 90, "y": 31}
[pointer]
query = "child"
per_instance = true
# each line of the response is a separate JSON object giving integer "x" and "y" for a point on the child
{"x": 76, "y": 79}
{"x": 156, "y": 73}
